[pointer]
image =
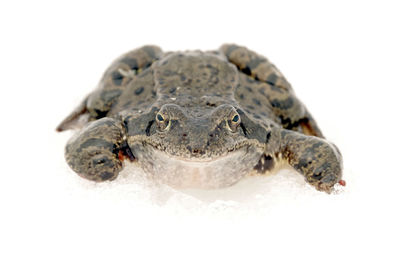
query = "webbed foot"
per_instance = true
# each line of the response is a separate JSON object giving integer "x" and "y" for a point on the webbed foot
{"x": 318, "y": 160}
{"x": 96, "y": 152}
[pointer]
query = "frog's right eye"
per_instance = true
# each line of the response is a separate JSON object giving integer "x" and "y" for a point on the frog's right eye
{"x": 163, "y": 121}
{"x": 234, "y": 121}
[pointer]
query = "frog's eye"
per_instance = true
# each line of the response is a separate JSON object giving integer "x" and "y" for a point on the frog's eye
{"x": 234, "y": 121}
{"x": 160, "y": 118}
{"x": 163, "y": 121}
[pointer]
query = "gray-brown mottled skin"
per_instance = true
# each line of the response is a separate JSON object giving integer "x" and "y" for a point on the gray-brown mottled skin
{"x": 198, "y": 119}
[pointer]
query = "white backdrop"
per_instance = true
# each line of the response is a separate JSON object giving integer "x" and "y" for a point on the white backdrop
{"x": 342, "y": 58}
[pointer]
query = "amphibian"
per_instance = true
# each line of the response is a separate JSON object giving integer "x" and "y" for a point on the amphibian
{"x": 201, "y": 119}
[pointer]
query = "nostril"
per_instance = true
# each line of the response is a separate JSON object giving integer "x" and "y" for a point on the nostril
{"x": 184, "y": 134}
{"x": 211, "y": 135}
{"x": 196, "y": 151}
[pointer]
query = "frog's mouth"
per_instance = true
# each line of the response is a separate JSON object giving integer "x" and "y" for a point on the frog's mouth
{"x": 182, "y": 172}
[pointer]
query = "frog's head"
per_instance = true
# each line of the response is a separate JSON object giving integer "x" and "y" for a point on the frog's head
{"x": 185, "y": 149}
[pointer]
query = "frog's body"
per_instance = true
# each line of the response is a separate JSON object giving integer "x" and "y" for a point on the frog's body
{"x": 198, "y": 119}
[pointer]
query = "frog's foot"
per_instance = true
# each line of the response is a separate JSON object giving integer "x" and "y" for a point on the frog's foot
{"x": 318, "y": 160}
{"x": 97, "y": 151}
{"x": 324, "y": 187}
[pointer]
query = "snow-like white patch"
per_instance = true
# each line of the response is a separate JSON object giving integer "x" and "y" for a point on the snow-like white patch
{"x": 252, "y": 195}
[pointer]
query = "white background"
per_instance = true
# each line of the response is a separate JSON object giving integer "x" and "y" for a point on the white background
{"x": 342, "y": 58}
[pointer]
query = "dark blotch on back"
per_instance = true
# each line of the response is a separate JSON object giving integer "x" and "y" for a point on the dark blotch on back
{"x": 117, "y": 78}
{"x": 283, "y": 104}
{"x": 249, "y": 88}
{"x": 257, "y": 102}
{"x": 131, "y": 62}
{"x": 272, "y": 79}
{"x": 139, "y": 91}
{"x": 255, "y": 62}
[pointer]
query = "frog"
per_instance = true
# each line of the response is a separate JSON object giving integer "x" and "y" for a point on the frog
{"x": 197, "y": 119}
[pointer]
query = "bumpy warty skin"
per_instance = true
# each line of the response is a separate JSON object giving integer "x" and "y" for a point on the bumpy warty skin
{"x": 198, "y": 119}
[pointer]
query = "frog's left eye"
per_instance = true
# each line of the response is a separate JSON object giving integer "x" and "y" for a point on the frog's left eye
{"x": 234, "y": 121}
{"x": 160, "y": 118}
{"x": 163, "y": 121}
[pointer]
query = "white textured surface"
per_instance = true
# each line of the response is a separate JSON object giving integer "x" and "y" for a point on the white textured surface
{"x": 342, "y": 59}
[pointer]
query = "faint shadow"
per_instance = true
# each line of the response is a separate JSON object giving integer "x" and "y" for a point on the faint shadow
{"x": 251, "y": 188}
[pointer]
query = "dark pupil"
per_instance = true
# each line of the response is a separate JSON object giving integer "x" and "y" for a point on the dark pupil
{"x": 160, "y": 118}
{"x": 235, "y": 118}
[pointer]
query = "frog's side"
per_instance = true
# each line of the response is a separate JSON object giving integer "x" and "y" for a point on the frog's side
{"x": 198, "y": 119}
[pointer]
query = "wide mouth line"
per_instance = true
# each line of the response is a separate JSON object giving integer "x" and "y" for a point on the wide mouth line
{"x": 205, "y": 159}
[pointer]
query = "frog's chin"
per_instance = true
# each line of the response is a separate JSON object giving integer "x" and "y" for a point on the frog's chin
{"x": 218, "y": 172}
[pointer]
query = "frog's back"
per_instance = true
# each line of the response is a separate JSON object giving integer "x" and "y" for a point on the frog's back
{"x": 196, "y": 74}
{"x": 197, "y": 80}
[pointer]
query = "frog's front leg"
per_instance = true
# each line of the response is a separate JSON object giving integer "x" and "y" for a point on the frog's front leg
{"x": 318, "y": 160}
{"x": 97, "y": 151}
